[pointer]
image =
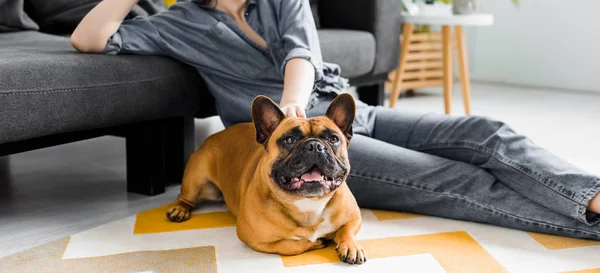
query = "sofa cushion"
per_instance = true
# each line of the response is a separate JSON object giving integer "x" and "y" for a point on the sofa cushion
{"x": 14, "y": 18}
{"x": 47, "y": 88}
{"x": 62, "y": 16}
{"x": 353, "y": 50}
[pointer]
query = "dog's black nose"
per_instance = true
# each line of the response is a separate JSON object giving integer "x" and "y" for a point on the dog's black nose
{"x": 312, "y": 145}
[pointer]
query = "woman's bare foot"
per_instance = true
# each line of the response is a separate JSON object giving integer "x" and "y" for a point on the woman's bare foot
{"x": 594, "y": 205}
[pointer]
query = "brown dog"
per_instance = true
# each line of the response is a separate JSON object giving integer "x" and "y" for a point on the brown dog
{"x": 283, "y": 179}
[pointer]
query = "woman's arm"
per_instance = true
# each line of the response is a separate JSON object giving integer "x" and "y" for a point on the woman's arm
{"x": 302, "y": 66}
{"x": 99, "y": 24}
{"x": 297, "y": 86}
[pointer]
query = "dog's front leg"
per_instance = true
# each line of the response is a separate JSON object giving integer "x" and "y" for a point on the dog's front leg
{"x": 347, "y": 248}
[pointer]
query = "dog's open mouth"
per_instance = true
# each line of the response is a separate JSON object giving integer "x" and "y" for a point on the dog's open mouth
{"x": 314, "y": 175}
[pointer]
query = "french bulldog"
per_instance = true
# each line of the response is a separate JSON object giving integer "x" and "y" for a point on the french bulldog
{"x": 282, "y": 178}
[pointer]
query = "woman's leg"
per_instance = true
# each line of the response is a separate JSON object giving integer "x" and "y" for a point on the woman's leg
{"x": 513, "y": 159}
{"x": 387, "y": 176}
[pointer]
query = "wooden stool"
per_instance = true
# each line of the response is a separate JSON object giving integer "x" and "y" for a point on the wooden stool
{"x": 426, "y": 60}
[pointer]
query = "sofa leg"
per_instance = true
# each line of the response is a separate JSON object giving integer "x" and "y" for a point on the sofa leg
{"x": 372, "y": 94}
{"x": 157, "y": 152}
{"x": 179, "y": 146}
{"x": 146, "y": 172}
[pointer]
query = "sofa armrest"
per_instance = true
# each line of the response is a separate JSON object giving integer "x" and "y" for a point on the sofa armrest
{"x": 379, "y": 17}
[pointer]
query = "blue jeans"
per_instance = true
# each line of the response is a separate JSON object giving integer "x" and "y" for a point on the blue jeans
{"x": 468, "y": 168}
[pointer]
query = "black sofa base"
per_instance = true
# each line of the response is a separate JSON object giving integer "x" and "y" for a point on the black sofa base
{"x": 372, "y": 94}
{"x": 371, "y": 89}
{"x": 157, "y": 151}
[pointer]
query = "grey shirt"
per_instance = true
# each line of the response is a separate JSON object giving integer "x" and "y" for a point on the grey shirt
{"x": 235, "y": 68}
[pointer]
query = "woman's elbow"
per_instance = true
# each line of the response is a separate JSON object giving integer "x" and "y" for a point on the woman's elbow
{"x": 86, "y": 45}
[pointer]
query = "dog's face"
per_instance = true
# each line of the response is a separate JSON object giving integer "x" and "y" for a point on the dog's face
{"x": 309, "y": 157}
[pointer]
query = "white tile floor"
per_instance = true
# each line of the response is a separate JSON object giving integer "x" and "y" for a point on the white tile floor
{"x": 55, "y": 192}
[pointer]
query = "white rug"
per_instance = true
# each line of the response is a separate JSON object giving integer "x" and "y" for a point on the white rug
{"x": 395, "y": 242}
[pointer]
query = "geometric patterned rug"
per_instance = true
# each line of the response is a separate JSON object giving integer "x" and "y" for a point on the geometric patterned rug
{"x": 395, "y": 242}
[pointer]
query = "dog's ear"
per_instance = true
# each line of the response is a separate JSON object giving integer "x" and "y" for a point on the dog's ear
{"x": 266, "y": 115}
{"x": 342, "y": 111}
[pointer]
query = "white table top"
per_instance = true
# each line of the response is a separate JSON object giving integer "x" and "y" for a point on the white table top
{"x": 476, "y": 19}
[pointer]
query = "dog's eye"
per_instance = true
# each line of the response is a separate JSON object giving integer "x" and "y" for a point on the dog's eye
{"x": 333, "y": 139}
{"x": 289, "y": 140}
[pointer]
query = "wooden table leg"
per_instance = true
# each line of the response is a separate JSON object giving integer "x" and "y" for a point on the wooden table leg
{"x": 407, "y": 31}
{"x": 464, "y": 68}
{"x": 448, "y": 76}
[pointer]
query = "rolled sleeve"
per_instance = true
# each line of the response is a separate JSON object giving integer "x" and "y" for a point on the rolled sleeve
{"x": 299, "y": 35}
{"x": 136, "y": 36}
{"x": 113, "y": 45}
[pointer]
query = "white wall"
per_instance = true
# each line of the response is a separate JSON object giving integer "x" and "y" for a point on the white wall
{"x": 548, "y": 43}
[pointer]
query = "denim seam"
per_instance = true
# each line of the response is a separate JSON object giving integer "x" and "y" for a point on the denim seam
{"x": 494, "y": 154}
{"x": 397, "y": 183}
{"x": 587, "y": 197}
{"x": 65, "y": 90}
{"x": 537, "y": 177}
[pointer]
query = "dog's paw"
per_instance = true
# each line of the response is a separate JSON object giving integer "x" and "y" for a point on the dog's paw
{"x": 178, "y": 213}
{"x": 318, "y": 244}
{"x": 351, "y": 252}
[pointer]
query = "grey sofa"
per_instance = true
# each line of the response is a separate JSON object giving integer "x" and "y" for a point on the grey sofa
{"x": 51, "y": 95}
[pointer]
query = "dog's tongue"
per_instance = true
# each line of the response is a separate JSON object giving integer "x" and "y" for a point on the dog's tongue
{"x": 311, "y": 176}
